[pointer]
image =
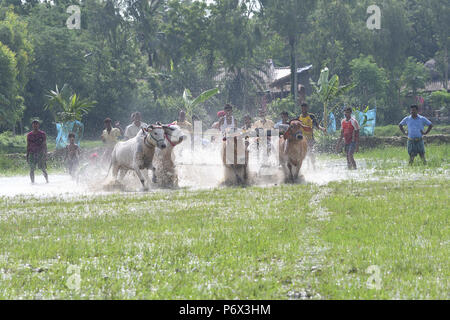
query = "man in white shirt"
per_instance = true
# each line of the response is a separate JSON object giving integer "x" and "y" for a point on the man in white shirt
{"x": 132, "y": 129}
{"x": 110, "y": 137}
{"x": 227, "y": 121}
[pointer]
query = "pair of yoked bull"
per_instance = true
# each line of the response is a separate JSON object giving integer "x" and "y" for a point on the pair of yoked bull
{"x": 138, "y": 153}
{"x": 292, "y": 151}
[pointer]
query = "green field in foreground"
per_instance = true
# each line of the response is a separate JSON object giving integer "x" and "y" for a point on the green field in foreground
{"x": 287, "y": 242}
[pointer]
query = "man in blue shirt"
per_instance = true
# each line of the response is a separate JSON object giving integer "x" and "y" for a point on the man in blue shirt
{"x": 416, "y": 124}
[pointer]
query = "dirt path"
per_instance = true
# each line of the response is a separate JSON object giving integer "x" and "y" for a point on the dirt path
{"x": 313, "y": 258}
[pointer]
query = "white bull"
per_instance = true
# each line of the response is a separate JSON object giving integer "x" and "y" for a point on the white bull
{"x": 137, "y": 154}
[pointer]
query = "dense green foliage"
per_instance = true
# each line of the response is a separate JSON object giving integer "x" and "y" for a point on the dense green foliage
{"x": 141, "y": 55}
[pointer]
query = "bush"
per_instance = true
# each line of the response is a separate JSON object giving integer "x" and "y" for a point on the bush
{"x": 286, "y": 104}
{"x": 10, "y": 143}
{"x": 441, "y": 100}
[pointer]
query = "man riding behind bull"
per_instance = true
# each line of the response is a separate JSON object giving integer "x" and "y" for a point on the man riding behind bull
{"x": 227, "y": 121}
{"x": 263, "y": 123}
{"x": 182, "y": 122}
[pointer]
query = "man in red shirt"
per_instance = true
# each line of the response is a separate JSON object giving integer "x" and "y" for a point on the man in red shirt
{"x": 350, "y": 134}
{"x": 37, "y": 150}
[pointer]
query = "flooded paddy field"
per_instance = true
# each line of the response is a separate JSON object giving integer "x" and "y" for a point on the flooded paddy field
{"x": 321, "y": 239}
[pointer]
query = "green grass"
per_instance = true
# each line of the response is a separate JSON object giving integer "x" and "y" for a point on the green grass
{"x": 401, "y": 227}
{"x": 16, "y": 164}
{"x": 285, "y": 242}
{"x": 396, "y": 158}
{"x": 18, "y": 143}
{"x": 254, "y": 243}
{"x": 394, "y": 131}
{"x": 210, "y": 244}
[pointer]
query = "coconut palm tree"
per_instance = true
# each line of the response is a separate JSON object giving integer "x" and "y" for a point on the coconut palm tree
{"x": 67, "y": 107}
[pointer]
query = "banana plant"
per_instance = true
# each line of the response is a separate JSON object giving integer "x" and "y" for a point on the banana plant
{"x": 190, "y": 103}
{"x": 67, "y": 107}
{"x": 328, "y": 90}
{"x": 362, "y": 118}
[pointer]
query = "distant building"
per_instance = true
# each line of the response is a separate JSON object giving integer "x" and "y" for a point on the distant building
{"x": 278, "y": 83}
{"x": 275, "y": 82}
{"x": 435, "y": 84}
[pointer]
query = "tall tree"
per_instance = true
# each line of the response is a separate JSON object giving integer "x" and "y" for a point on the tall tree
{"x": 235, "y": 37}
{"x": 14, "y": 35}
{"x": 440, "y": 16}
{"x": 290, "y": 19}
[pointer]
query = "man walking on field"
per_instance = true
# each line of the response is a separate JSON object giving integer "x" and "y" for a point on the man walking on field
{"x": 350, "y": 134}
{"x": 308, "y": 121}
{"x": 416, "y": 123}
{"x": 37, "y": 150}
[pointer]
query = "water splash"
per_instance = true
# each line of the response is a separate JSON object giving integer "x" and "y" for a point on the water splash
{"x": 203, "y": 169}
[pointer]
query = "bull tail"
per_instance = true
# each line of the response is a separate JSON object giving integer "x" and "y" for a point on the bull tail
{"x": 110, "y": 164}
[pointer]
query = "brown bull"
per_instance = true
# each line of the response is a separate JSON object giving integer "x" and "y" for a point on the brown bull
{"x": 293, "y": 149}
{"x": 235, "y": 160}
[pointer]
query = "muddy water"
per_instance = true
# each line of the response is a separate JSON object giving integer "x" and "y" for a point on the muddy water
{"x": 196, "y": 170}
{"x": 59, "y": 185}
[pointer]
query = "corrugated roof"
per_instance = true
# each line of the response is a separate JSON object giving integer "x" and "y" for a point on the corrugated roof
{"x": 436, "y": 86}
{"x": 281, "y": 81}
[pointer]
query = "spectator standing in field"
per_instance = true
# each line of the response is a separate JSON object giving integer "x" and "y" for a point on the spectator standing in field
{"x": 37, "y": 150}
{"x": 72, "y": 156}
{"x": 416, "y": 123}
{"x": 132, "y": 129}
{"x": 309, "y": 121}
{"x": 350, "y": 134}
{"x": 109, "y": 137}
